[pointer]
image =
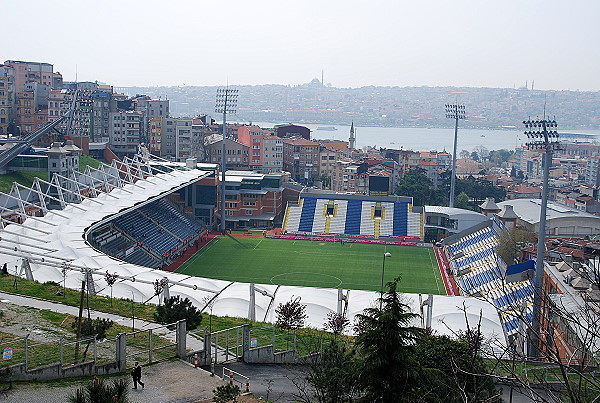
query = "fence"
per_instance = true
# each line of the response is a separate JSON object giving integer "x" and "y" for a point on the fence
{"x": 151, "y": 345}
{"x": 304, "y": 342}
{"x": 235, "y": 377}
{"x": 35, "y": 354}
{"x": 225, "y": 345}
{"x": 31, "y": 360}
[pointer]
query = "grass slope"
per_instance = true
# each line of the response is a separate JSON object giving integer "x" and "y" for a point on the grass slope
{"x": 317, "y": 264}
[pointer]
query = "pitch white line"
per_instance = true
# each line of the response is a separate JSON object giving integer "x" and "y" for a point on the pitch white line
{"x": 437, "y": 284}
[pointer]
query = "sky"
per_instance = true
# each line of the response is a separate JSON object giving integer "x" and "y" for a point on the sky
{"x": 471, "y": 43}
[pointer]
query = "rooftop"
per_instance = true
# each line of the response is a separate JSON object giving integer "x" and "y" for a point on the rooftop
{"x": 528, "y": 210}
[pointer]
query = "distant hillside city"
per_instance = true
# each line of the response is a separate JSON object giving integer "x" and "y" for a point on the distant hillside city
{"x": 489, "y": 108}
{"x": 175, "y": 123}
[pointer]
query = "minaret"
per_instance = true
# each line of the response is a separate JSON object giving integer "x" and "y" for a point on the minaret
{"x": 352, "y": 139}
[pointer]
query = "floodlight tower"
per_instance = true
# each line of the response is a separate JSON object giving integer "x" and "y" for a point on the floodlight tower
{"x": 543, "y": 136}
{"x": 456, "y": 112}
{"x": 226, "y": 103}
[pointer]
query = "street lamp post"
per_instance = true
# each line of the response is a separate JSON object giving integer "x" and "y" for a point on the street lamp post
{"x": 456, "y": 112}
{"x": 543, "y": 136}
{"x": 226, "y": 103}
{"x": 386, "y": 254}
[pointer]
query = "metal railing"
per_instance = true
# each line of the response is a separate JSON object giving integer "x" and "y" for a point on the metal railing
{"x": 150, "y": 345}
{"x": 236, "y": 378}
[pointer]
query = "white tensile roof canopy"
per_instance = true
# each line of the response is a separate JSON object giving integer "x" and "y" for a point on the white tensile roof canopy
{"x": 57, "y": 242}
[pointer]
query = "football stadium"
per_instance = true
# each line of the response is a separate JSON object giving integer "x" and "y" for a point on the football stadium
{"x": 145, "y": 220}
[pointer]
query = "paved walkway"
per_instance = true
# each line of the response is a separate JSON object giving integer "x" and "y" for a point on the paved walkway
{"x": 172, "y": 381}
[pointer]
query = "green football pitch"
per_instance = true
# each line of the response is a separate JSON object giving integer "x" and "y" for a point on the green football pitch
{"x": 316, "y": 264}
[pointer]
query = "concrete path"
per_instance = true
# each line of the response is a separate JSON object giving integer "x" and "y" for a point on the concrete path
{"x": 269, "y": 381}
{"x": 172, "y": 381}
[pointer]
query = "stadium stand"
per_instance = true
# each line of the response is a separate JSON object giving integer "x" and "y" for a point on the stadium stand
{"x": 359, "y": 215}
{"x": 151, "y": 235}
{"x": 480, "y": 272}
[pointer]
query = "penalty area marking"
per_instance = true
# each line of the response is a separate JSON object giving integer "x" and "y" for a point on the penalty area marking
{"x": 307, "y": 272}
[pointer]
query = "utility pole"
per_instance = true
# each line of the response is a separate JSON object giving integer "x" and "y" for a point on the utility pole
{"x": 456, "y": 112}
{"x": 543, "y": 136}
{"x": 79, "y": 321}
{"x": 226, "y": 103}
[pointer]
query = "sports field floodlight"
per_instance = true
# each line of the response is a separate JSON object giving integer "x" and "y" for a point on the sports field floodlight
{"x": 456, "y": 112}
{"x": 543, "y": 136}
{"x": 386, "y": 254}
{"x": 226, "y": 103}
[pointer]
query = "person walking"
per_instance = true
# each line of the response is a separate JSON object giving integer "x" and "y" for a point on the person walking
{"x": 136, "y": 373}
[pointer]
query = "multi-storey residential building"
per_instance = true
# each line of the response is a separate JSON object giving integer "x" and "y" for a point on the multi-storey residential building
{"x": 25, "y": 112}
{"x": 237, "y": 153}
{"x": 28, "y": 72}
{"x": 349, "y": 176}
{"x": 168, "y": 146}
{"x": 272, "y": 154}
{"x": 431, "y": 171}
{"x": 253, "y": 199}
{"x": 124, "y": 132}
{"x": 580, "y": 149}
{"x": 327, "y": 162}
{"x": 592, "y": 175}
{"x": 6, "y": 91}
{"x": 151, "y": 108}
{"x": 155, "y": 126}
{"x": 252, "y": 136}
{"x": 102, "y": 106}
{"x": 301, "y": 158}
{"x": 183, "y": 138}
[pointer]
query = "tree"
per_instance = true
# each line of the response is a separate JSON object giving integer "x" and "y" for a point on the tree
{"x": 462, "y": 201}
{"x": 100, "y": 391}
{"x": 290, "y": 315}
{"x": 511, "y": 242}
{"x": 175, "y": 309}
{"x": 93, "y": 327}
{"x": 454, "y": 368}
{"x": 110, "y": 279}
{"x": 482, "y": 152}
{"x": 336, "y": 323}
{"x": 385, "y": 344}
{"x": 226, "y": 393}
{"x": 97, "y": 327}
{"x": 331, "y": 377}
{"x": 513, "y": 172}
{"x": 416, "y": 184}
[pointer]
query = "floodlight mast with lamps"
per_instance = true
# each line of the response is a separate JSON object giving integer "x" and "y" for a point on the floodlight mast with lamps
{"x": 543, "y": 136}
{"x": 226, "y": 103}
{"x": 456, "y": 112}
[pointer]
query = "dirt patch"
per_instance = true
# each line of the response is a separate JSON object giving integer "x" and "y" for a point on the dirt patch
{"x": 22, "y": 321}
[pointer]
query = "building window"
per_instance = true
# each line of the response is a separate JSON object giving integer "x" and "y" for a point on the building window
{"x": 248, "y": 212}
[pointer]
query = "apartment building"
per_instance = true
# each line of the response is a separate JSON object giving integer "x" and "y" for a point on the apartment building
{"x": 102, "y": 105}
{"x": 6, "y": 90}
{"x": 272, "y": 154}
{"x": 301, "y": 158}
{"x": 124, "y": 131}
{"x": 237, "y": 153}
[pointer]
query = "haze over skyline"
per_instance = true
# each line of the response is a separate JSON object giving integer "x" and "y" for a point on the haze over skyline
{"x": 356, "y": 43}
